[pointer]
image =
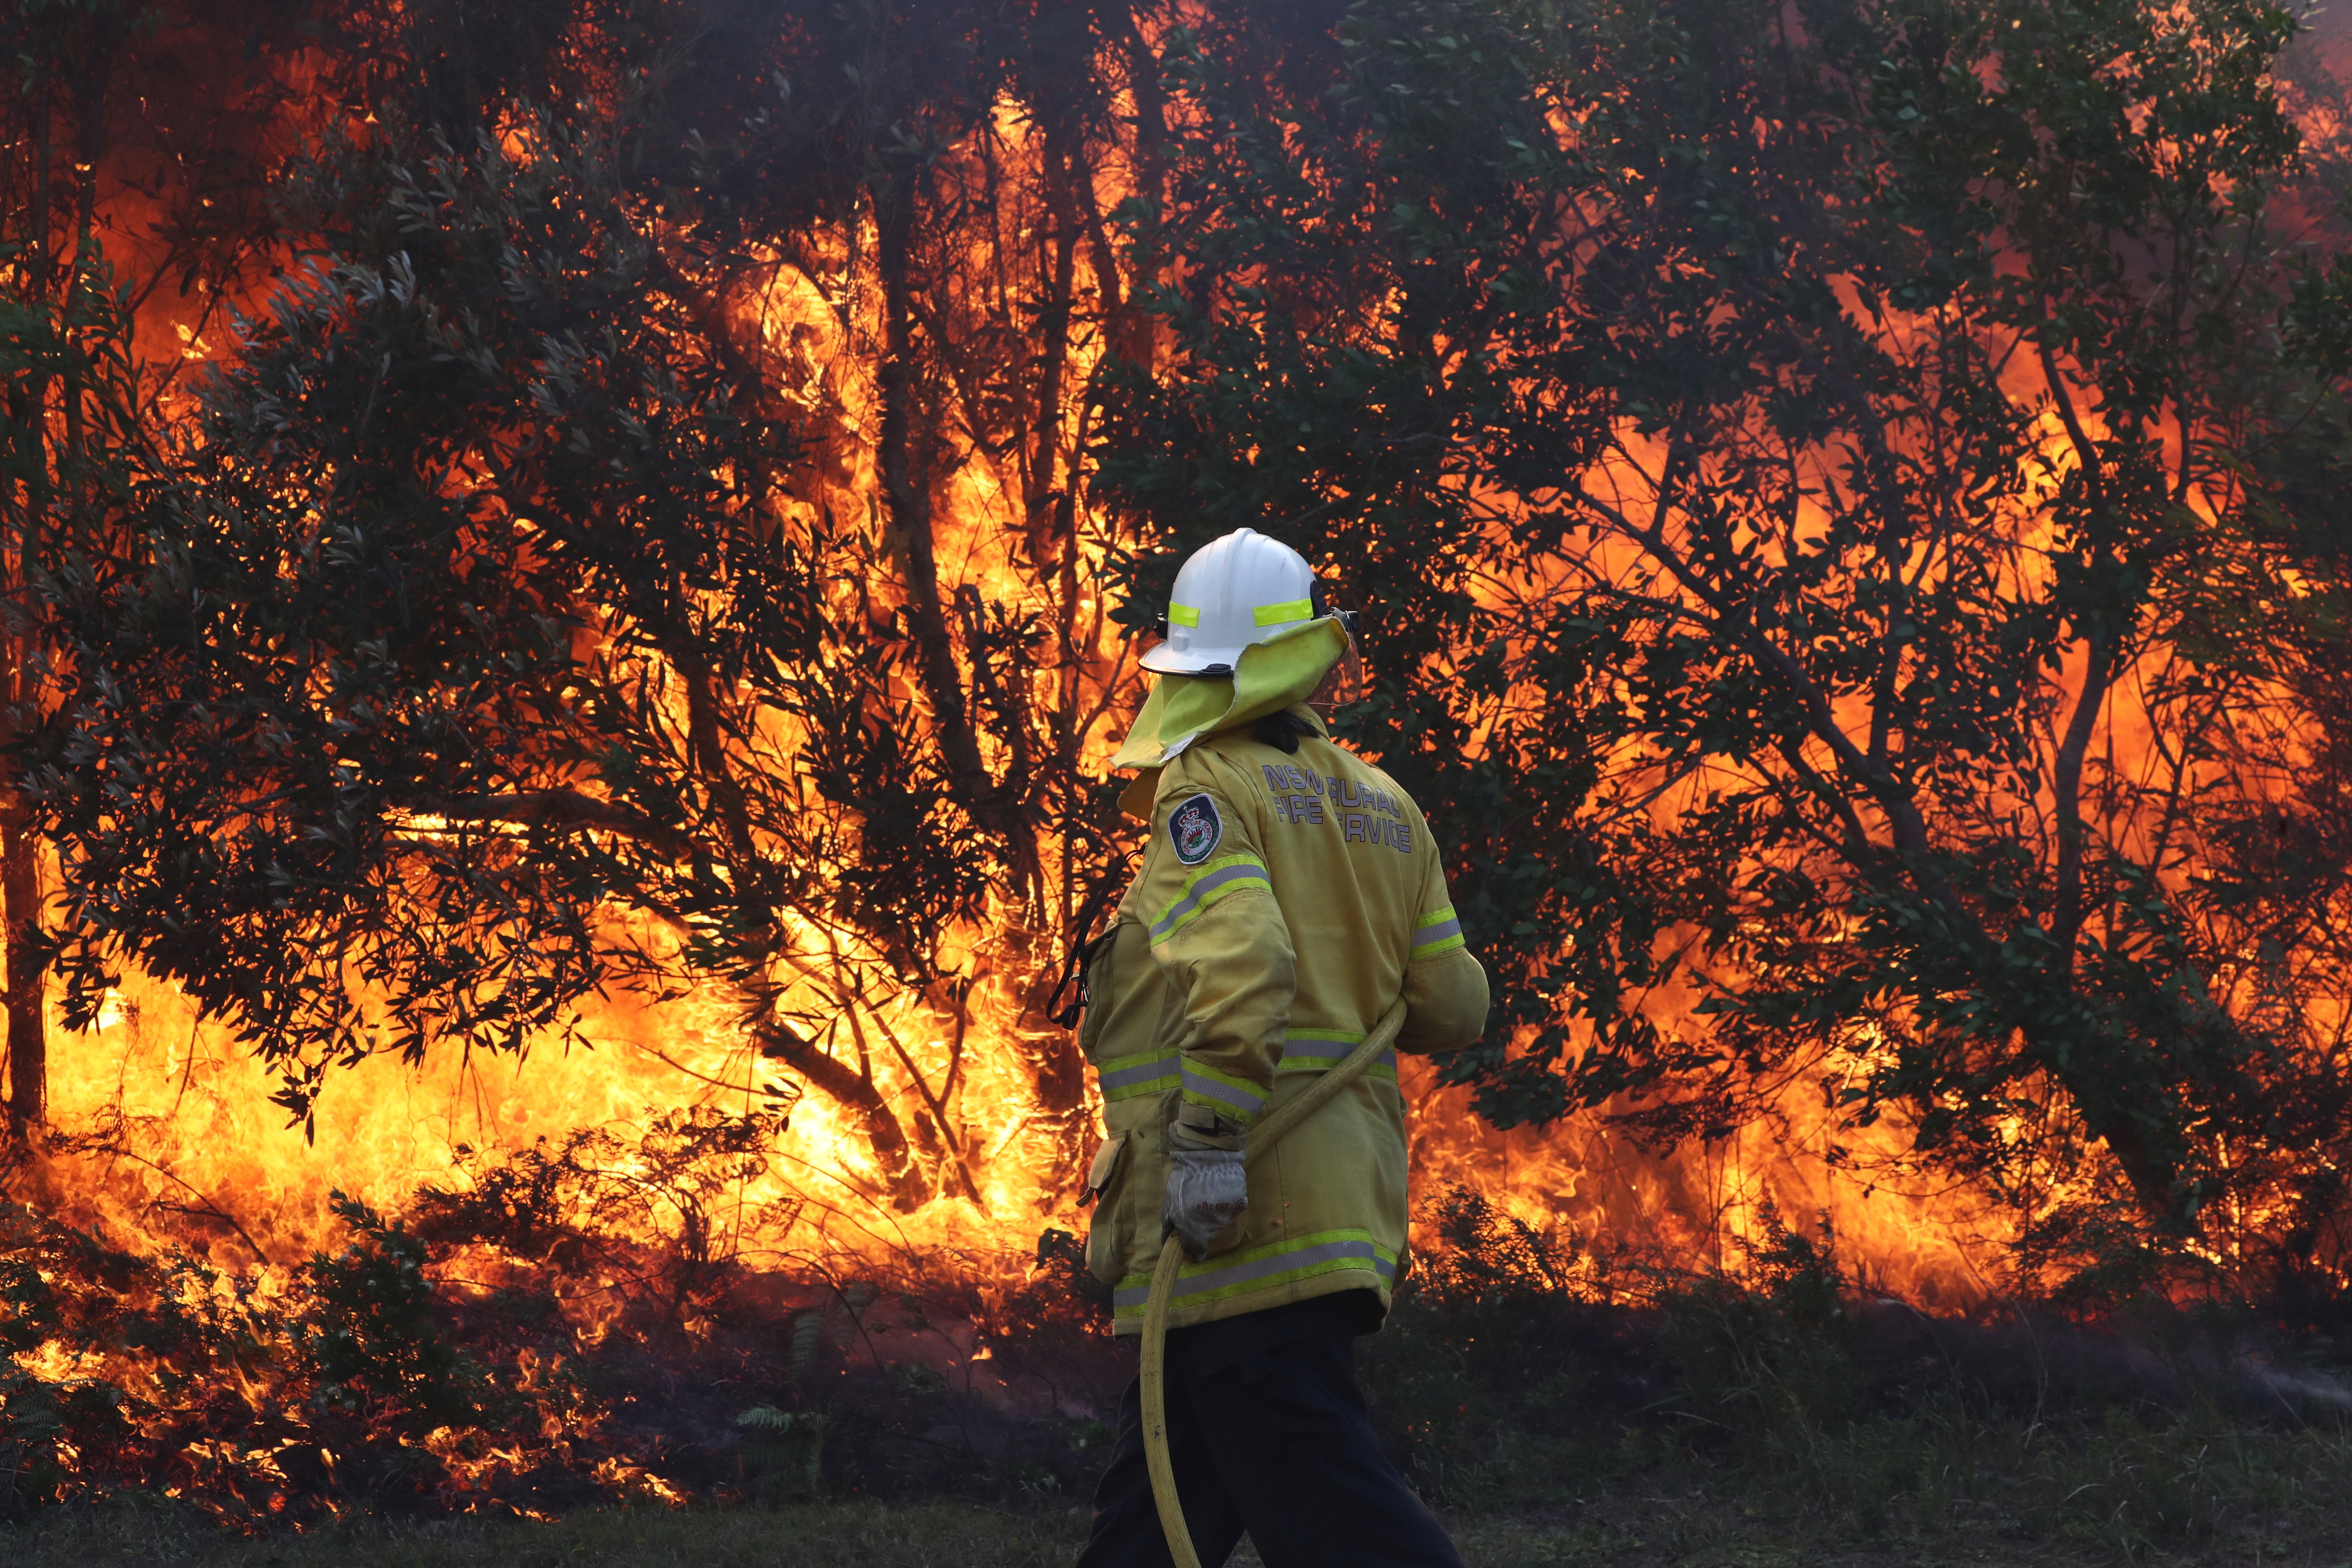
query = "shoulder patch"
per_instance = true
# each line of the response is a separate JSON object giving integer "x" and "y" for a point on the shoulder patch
{"x": 1195, "y": 830}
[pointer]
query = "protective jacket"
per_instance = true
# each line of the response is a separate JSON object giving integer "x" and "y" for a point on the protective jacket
{"x": 1286, "y": 901}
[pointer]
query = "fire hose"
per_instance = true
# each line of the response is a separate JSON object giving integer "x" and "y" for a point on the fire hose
{"x": 1269, "y": 1133}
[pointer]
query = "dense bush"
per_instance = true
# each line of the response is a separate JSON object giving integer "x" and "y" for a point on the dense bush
{"x": 1520, "y": 1371}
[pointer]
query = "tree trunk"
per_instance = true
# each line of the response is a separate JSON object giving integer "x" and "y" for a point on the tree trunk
{"x": 55, "y": 482}
{"x": 902, "y": 1174}
{"x": 20, "y": 987}
{"x": 906, "y": 474}
{"x": 20, "y": 888}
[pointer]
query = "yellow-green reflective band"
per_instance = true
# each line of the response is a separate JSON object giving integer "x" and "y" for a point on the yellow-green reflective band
{"x": 1435, "y": 932}
{"x": 1314, "y": 1050}
{"x": 1274, "y": 615}
{"x": 1183, "y": 616}
{"x": 1160, "y": 1085}
{"x": 1320, "y": 1050}
{"x": 1223, "y": 1092}
{"x": 1263, "y": 1269}
{"x": 1226, "y": 874}
{"x": 1124, "y": 1077}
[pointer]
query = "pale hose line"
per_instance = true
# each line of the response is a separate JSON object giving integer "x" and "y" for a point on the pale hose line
{"x": 1268, "y": 1133}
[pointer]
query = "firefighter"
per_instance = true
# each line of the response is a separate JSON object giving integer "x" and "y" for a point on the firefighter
{"x": 1290, "y": 894}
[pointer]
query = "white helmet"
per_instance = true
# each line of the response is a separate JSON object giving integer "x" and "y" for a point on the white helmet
{"x": 1234, "y": 591}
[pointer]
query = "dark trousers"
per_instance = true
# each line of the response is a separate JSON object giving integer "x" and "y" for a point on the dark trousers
{"x": 1268, "y": 1433}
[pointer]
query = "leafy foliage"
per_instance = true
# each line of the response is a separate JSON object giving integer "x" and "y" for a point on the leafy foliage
{"x": 1807, "y": 465}
{"x": 559, "y": 590}
{"x": 373, "y": 1335}
{"x": 1851, "y": 495}
{"x": 135, "y": 136}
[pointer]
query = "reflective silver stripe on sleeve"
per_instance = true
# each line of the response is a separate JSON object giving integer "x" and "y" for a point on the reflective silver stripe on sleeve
{"x": 1450, "y": 926}
{"x": 1182, "y": 908}
{"x": 1157, "y": 1070}
{"x": 1200, "y": 1086}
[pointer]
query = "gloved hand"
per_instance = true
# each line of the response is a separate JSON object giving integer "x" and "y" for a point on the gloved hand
{"x": 1206, "y": 1192}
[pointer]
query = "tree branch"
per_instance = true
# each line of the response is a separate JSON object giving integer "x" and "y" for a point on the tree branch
{"x": 559, "y": 808}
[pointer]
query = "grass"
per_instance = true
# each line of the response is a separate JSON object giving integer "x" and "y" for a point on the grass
{"x": 803, "y": 1535}
{"x": 1872, "y": 1495}
{"x": 1781, "y": 1416}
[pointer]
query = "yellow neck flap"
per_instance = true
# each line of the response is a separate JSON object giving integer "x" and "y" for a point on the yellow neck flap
{"x": 1272, "y": 675}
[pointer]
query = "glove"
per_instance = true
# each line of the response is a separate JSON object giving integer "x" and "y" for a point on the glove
{"x": 1206, "y": 1192}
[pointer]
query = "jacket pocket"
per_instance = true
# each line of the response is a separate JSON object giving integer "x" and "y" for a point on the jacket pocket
{"x": 1107, "y": 1236}
{"x": 1105, "y": 1166}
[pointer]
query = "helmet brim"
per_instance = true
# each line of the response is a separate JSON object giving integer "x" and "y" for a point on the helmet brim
{"x": 1166, "y": 660}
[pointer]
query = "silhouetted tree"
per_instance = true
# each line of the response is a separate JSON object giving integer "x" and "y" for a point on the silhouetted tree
{"x": 1806, "y": 467}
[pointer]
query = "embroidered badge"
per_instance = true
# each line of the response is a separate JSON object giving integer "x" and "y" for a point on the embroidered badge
{"x": 1196, "y": 829}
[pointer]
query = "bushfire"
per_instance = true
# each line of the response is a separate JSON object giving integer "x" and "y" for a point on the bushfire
{"x": 573, "y": 594}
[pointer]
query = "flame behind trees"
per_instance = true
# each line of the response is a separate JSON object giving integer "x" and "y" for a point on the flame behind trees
{"x": 1827, "y": 478}
{"x": 1842, "y": 494}
{"x": 128, "y": 207}
{"x": 564, "y": 589}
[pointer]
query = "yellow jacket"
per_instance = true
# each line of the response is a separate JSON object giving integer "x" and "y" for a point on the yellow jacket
{"x": 1286, "y": 901}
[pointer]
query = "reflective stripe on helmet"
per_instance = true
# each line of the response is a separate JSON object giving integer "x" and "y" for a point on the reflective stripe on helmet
{"x": 1234, "y": 591}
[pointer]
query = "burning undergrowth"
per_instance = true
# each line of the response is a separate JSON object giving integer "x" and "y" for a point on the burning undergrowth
{"x": 515, "y": 1342}
{"x": 582, "y": 1323}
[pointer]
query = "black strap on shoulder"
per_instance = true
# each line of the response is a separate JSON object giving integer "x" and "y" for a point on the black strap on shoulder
{"x": 1080, "y": 959}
